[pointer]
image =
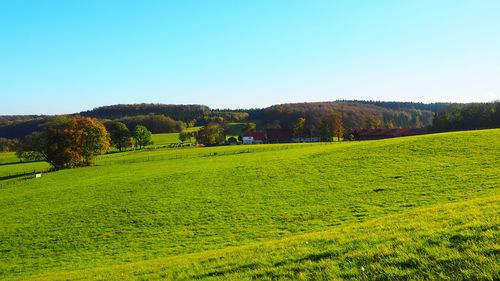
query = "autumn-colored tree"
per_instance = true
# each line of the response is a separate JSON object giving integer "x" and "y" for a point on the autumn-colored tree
{"x": 89, "y": 139}
{"x": 332, "y": 126}
{"x": 66, "y": 142}
{"x": 142, "y": 136}
{"x": 337, "y": 126}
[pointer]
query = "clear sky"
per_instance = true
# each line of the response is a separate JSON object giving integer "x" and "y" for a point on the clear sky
{"x": 71, "y": 55}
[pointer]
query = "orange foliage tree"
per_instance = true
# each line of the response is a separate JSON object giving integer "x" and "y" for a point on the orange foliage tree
{"x": 67, "y": 142}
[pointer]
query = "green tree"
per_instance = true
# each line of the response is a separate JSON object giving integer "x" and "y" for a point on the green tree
{"x": 212, "y": 134}
{"x": 185, "y": 136}
{"x": 181, "y": 126}
{"x": 120, "y": 135}
{"x": 142, "y": 136}
{"x": 326, "y": 129}
{"x": 250, "y": 127}
{"x": 182, "y": 136}
{"x": 373, "y": 122}
{"x": 7, "y": 144}
{"x": 299, "y": 127}
{"x": 33, "y": 148}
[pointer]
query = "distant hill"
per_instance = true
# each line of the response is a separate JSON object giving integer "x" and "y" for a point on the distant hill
{"x": 397, "y": 105}
{"x": 21, "y": 127}
{"x": 355, "y": 114}
{"x": 182, "y": 112}
{"x": 6, "y": 120}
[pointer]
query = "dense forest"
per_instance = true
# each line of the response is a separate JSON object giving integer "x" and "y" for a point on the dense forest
{"x": 468, "y": 116}
{"x": 182, "y": 112}
{"x": 165, "y": 118}
{"x": 355, "y": 115}
{"x": 6, "y": 120}
{"x": 397, "y": 105}
{"x": 155, "y": 123}
{"x": 22, "y": 127}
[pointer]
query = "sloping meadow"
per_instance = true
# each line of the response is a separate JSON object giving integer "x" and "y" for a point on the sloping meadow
{"x": 181, "y": 206}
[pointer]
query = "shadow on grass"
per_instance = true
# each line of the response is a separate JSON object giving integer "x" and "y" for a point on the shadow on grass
{"x": 17, "y": 176}
{"x": 20, "y": 162}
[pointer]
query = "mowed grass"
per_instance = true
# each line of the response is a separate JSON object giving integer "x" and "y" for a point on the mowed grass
{"x": 174, "y": 213}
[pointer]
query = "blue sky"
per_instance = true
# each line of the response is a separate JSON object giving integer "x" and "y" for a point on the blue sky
{"x": 67, "y": 56}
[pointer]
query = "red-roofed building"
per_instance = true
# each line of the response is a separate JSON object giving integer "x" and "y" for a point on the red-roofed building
{"x": 277, "y": 135}
{"x": 254, "y": 138}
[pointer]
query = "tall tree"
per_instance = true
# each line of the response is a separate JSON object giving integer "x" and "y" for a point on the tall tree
{"x": 142, "y": 136}
{"x": 299, "y": 127}
{"x": 337, "y": 126}
{"x": 373, "y": 122}
{"x": 120, "y": 135}
{"x": 90, "y": 138}
{"x": 66, "y": 142}
{"x": 326, "y": 129}
{"x": 212, "y": 134}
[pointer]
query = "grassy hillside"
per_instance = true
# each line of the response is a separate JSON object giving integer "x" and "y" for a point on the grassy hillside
{"x": 450, "y": 241}
{"x": 394, "y": 206}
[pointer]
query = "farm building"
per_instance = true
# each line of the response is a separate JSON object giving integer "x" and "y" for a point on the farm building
{"x": 375, "y": 134}
{"x": 254, "y": 138}
{"x": 286, "y": 135}
{"x": 279, "y": 135}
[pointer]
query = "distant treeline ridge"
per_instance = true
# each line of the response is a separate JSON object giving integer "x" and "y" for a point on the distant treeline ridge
{"x": 165, "y": 118}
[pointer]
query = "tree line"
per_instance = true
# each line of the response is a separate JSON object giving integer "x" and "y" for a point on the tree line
{"x": 468, "y": 116}
{"x": 68, "y": 142}
{"x": 73, "y": 141}
{"x": 397, "y": 105}
{"x": 182, "y": 112}
{"x": 161, "y": 118}
{"x": 155, "y": 123}
{"x": 354, "y": 116}
{"x": 167, "y": 118}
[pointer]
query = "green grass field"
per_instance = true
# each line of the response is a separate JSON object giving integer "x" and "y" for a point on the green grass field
{"x": 165, "y": 139}
{"x": 169, "y": 138}
{"x": 422, "y": 207}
